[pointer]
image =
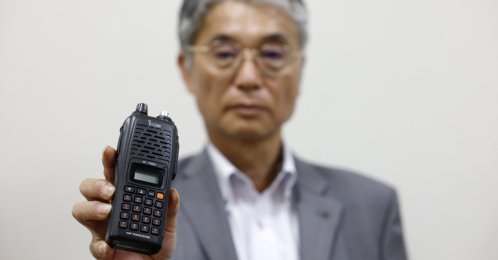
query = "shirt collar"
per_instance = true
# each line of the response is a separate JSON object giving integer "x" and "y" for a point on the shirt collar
{"x": 223, "y": 169}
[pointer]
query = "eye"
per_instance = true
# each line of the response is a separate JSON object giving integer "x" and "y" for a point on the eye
{"x": 272, "y": 53}
{"x": 224, "y": 52}
{"x": 225, "y": 55}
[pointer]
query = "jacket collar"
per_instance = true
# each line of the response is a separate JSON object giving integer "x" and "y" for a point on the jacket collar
{"x": 319, "y": 213}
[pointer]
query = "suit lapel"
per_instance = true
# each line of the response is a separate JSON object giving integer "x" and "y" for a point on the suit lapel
{"x": 319, "y": 214}
{"x": 203, "y": 205}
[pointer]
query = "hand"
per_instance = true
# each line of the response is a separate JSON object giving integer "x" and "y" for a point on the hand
{"x": 94, "y": 214}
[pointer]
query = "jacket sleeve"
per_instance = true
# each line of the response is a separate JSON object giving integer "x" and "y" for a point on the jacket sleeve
{"x": 392, "y": 245}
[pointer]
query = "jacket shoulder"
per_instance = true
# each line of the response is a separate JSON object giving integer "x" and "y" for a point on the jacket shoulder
{"x": 351, "y": 185}
{"x": 183, "y": 162}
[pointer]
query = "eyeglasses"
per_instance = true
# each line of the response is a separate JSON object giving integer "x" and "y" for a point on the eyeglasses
{"x": 271, "y": 58}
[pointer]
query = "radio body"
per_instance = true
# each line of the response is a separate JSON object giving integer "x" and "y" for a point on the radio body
{"x": 145, "y": 166}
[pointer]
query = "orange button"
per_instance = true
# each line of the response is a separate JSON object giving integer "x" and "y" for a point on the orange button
{"x": 160, "y": 196}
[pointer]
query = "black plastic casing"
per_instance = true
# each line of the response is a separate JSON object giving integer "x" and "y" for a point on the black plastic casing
{"x": 144, "y": 142}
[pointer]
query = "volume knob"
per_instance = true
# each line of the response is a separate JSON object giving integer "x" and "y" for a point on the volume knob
{"x": 142, "y": 108}
{"x": 164, "y": 115}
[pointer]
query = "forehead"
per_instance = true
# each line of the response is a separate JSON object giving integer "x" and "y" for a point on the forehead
{"x": 247, "y": 23}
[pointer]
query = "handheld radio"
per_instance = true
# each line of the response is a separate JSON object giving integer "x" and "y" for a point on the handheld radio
{"x": 145, "y": 166}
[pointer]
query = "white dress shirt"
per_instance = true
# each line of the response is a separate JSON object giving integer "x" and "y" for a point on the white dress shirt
{"x": 264, "y": 225}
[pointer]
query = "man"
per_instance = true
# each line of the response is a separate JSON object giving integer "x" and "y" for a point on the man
{"x": 246, "y": 196}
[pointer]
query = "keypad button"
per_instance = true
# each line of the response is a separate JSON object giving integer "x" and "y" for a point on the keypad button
{"x": 160, "y": 196}
{"x": 148, "y": 202}
{"x": 155, "y": 231}
{"x": 124, "y": 215}
{"x": 157, "y": 213}
{"x": 130, "y": 189}
{"x": 146, "y": 220}
{"x": 147, "y": 211}
{"x": 156, "y": 222}
{"x": 151, "y": 193}
{"x": 144, "y": 229}
{"x": 139, "y": 200}
{"x": 134, "y": 226}
{"x": 123, "y": 224}
{"x": 125, "y": 206}
{"x": 135, "y": 217}
{"x": 141, "y": 191}
{"x": 137, "y": 208}
{"x": 127, "y": 197}
{"x": 159, "y": 205}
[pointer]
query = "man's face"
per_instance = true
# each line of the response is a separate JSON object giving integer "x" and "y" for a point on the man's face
{"x": 244, "y": 103}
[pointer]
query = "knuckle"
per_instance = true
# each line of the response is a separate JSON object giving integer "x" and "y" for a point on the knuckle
{"x": 83, "y": 210}
{"x": 93, "y": 249}
{"x": 86, "y": 185}
{"x": 74, "y": 211}
{"x": 96, "y": 185}
{"x": 94, "y": 188}
{"x": 86, "y": 211}
{"x": 82, "y": 185}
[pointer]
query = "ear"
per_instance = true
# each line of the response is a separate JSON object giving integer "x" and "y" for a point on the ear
{"x": 186, "y": 72}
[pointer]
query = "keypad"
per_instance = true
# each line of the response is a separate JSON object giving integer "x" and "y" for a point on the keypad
{"x": 134, "y": 226}
{"x": 145, "y": 229}
{"x": 125, "y": 215}
{"x": 130, "y": 189}
{"x": 127, "y": 197}
{"x": 136, "y": 208}
{"x": 126, "y": 206}
{"x": 139, "y": 200}
{"x": 141, "y": 210}
{"x": 123, "y": 224}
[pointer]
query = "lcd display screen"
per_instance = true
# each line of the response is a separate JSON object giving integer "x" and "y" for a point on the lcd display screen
{"x": 146, "y": 176}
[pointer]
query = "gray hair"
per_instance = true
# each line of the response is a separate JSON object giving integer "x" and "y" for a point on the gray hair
{"x": 193, "y": 11}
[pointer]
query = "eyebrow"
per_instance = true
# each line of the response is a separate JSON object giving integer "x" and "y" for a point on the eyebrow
{"x": 274, "y": 38}
{"x": 277, "y": 38}
{"x": 221, "y": 38}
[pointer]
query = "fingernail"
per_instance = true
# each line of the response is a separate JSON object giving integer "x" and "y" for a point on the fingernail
{"x": 104, "y": 209}
{"x": 102, "y": 250}
{"x": 108, "y": 190}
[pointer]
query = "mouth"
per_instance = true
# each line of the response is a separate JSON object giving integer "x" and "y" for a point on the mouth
{"x": 247, "y": 111}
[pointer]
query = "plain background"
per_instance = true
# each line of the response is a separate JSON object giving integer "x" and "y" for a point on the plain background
{"x": 403, "y": 91}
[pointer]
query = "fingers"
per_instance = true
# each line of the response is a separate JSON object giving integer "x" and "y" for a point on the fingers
{"x": 87, "y": 211}
{"x": 97, "y": 189}
{"x": 109, "y": 160}
{"x": 169, "y": 241}
{"x": 173, "y": 208}
{"x": 101, "y": 250}
{"x": 94, "y": 213}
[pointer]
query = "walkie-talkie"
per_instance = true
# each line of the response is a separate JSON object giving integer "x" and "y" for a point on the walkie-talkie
{"x": 145, "y": 166}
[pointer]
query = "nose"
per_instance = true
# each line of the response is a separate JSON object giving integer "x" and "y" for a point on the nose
{"x": 248, "y": 75}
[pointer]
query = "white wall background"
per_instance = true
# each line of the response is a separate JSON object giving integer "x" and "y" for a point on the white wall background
{"x": 406, "y": 91}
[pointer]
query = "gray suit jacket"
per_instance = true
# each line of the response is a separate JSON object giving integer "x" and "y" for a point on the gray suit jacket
{"x": 341, "y": 215}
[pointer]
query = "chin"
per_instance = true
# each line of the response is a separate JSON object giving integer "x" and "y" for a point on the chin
{"x": 243, "y": 129}
{"x": 250, "y": 133}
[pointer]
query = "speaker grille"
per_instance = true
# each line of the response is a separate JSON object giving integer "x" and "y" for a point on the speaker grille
{"x": 152, "y": 144}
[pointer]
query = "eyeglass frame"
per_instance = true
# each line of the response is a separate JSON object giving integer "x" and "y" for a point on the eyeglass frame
{"x": 248, "y": 53}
